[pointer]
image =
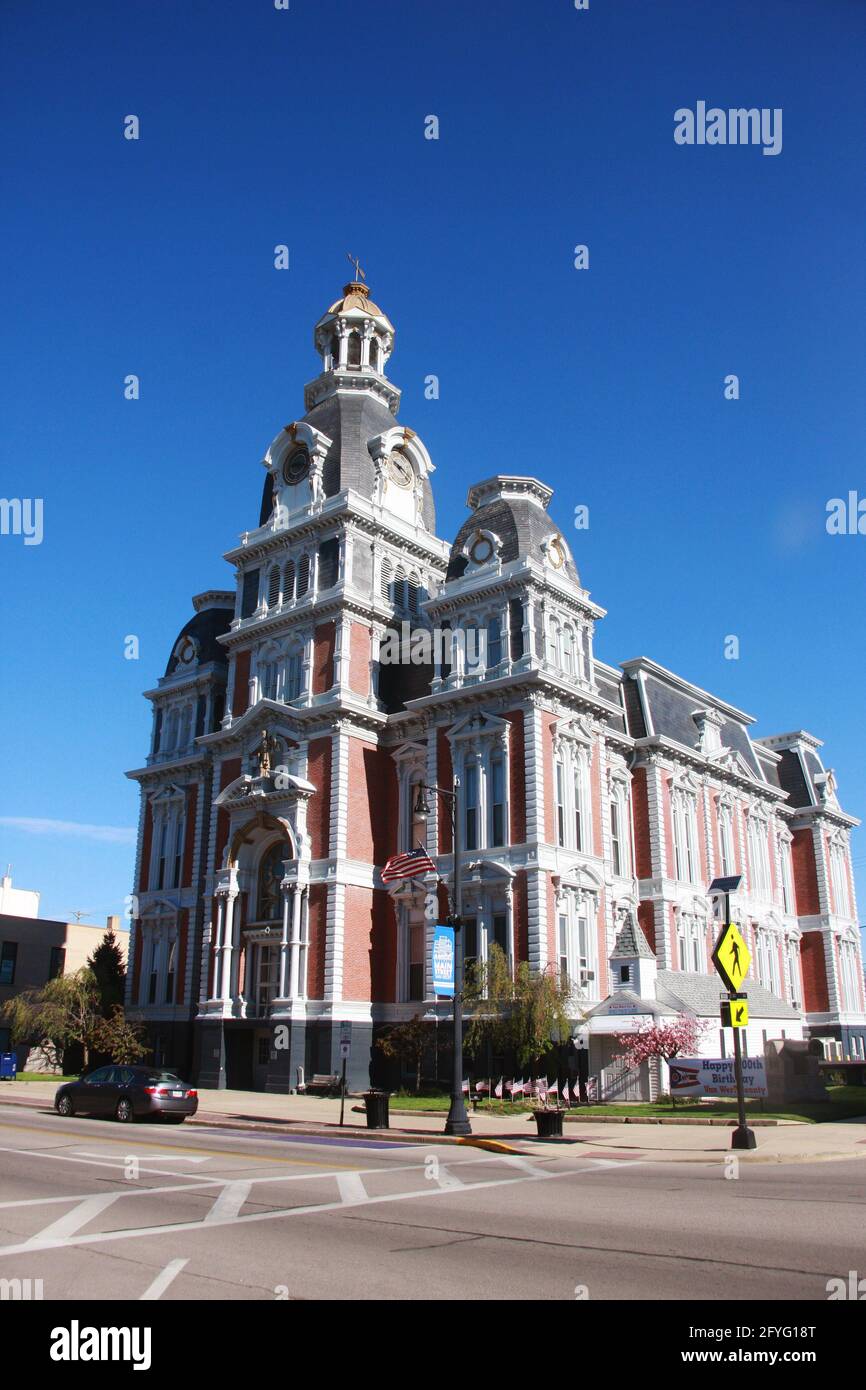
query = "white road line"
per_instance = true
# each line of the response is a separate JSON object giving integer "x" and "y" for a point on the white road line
{"x": 141, "y": 1158}
{"x": 180, "y": 1228}
{"x": 526, "y": 1166}
{"x": 446, "y": 1179}
{"x": 162, "y": 1281}
{"x": 229, "y": 1203}
{"x": 351, "y": 1188}
{"x": 73, "y": 1220}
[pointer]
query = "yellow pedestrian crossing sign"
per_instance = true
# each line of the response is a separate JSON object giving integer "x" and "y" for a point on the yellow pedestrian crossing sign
{"x": 732, "y": 956}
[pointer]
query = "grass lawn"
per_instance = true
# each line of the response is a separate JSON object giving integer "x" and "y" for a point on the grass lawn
{"x": 845, "y": 1103}
{"x": 41, "y": 1076}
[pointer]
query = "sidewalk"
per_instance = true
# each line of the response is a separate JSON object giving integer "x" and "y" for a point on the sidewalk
{"x": 312, "y": 1115}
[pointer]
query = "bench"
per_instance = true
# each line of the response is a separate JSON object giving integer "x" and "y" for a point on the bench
{"x": 323, "y": 1082}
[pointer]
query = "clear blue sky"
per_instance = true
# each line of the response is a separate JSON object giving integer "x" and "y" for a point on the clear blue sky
{"x": 261, "y": 126}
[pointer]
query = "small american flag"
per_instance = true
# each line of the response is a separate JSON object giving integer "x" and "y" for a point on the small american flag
{"x": 566, "y": 1094}
{"x": 417, "y": 861}
{"x": 465, "y": 1088}
{"x": 498, "y": 1089}
{"x": 482, "y": 1087}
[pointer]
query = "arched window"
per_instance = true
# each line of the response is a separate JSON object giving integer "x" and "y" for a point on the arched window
{"x": 335, "y": 352}
{"x": 494, "y": 643}
{"x": 385, "y": 584}
{"x": 553, "y": 643}
{"x": 567, "y": 650}
{"x": 294, "y": 665}
{"x": 289, "y": 581}
{"x": 354, "y": 358}
{"x": 274, "y": 586}
{"x": 399, "y": 589}
{"x": 412, "y": 594}
{"x": 270, "y": 898}
{"x": 303, "y": 575}
{"x": 374, "y": 354}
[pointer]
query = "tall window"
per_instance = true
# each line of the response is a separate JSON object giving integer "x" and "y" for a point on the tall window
{"x": 839, "y": 879}
{"x": 726, "y": 840}
{"x": 690, "y": 939}
{"x": 560, "y": 803}
{"x": 170, "y": 972}
{"x": 568, "y": 651}
{"x": 294, "y": 667}
{"x": 497, "y": 800}
{"x": 494, "y": 643}
{"x": 270, "y": 877}
{"x": 564, "y": 963}
{"x": 759, "y": 861}
{"x": 8, "y": 958}
{"x": 787, "y": 879}
{"x": 178, "y": 851}
{"x": 471, "y": 807}
{"x": 289, "y": 581}
{"x": 615, "y": 837}
{"x": 685, "y": 837}
{"x": 160, "y": 872}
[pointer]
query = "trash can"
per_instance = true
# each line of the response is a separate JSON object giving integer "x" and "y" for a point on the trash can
{"x": 549, "y": 1124}
{"x": 376, "y": 1105}
{"x": 8, "y": 1066}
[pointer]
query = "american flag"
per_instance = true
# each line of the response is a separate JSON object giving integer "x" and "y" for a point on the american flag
{"x": 482, "y": 1087}
{"x": 566, "y": 1094}
{"x": 417, "y": 861}
{"x": 497, "y": 1091}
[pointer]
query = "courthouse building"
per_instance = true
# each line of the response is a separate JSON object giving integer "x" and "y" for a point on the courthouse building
{"x": 286, "y": 755}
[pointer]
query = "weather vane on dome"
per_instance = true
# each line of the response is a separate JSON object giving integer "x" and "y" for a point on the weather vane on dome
{"x": 359, "y": 273}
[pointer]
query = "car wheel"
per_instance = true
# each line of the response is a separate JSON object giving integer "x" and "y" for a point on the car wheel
{"x": 64, "y": 1107}
{"x": 124, "y": 1112}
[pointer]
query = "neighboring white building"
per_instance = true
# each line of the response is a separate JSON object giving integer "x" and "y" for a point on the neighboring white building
{"x": 17, "y": 902}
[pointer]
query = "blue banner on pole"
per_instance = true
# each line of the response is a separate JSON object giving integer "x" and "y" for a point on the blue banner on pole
{"x": 443, "y": 960}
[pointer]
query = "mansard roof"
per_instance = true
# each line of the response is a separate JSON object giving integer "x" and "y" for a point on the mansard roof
{"x": 351, "y": 420}
{"x": 215, "y": 610}
{"x": 515, "y": 510}
{"x": 665, "y": 705}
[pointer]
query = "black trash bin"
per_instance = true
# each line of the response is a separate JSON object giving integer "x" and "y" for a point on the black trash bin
{"x": 376, "y": 1104}
{"x": 549, "y": 1123}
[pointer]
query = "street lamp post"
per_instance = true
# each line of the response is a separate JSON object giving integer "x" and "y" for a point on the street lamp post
{"x": 458, "y": 1120}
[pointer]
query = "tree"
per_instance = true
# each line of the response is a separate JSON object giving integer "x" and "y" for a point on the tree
{"x": 660, "y": 1041}
{"x": 409, "y": 1039}
{"x": 121, "y": 1038}
{"x": 54, "y": 1018}
{"x": 524, "y": 1012}
{"x": 110, "y": 972}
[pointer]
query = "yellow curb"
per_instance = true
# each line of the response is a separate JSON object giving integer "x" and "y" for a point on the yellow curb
{"x": 494, "y": 1145}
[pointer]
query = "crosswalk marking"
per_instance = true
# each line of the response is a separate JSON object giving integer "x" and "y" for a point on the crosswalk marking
{"x": 351, "y": 1188}
{"x": 73, "y": 1220}
{"x": 229, "y": 1202}
{"x": 162, "y": 1281}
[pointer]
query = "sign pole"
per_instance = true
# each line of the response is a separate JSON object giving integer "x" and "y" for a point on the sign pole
{"x": 742, "y": 1137}
{"x": 343, "y": 1091}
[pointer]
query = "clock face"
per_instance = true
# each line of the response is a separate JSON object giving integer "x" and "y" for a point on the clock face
{"x": 187, "y": 652}
{"x": 296, "y": 466}
{"x": 400, "y": 470}
{"x": 556, "y": 553}
{"x": 481, "y": 550}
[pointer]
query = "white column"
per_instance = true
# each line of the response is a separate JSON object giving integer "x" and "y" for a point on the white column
{"x": 288, "y": 889}
{"x": 295, "y": 949}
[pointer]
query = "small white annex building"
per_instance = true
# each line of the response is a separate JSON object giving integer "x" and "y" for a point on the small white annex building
{"x": 642, "y": 991}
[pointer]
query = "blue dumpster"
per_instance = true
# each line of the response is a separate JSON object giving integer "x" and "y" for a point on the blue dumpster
{"x": 8, "y": 1066}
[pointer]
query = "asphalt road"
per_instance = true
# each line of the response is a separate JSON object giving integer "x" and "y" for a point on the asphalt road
{"x": 100, "y": 1211}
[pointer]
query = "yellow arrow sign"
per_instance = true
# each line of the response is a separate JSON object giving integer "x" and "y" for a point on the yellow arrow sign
{"x": 732, "y": 956}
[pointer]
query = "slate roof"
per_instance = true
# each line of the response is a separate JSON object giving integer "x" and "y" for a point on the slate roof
{"x": 671, "y": 713}
{"x": 523, "y": 527}
{"x": 792, "y": 779}
{"x": 350, "y": 420}
{"x": 205, "y": 627}
{"x": 631, "y": 943}
{"x": 700, "y": 994}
